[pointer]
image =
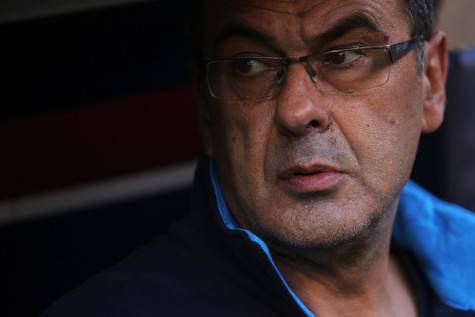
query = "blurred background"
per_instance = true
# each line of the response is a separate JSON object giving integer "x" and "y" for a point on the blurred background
{"x": 99, "y": 138}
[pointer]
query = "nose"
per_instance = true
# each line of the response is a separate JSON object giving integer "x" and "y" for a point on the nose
{"x": 299, "y": 104}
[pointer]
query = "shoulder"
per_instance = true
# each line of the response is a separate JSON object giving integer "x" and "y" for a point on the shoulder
{"x": 158, "y": 279}
{"x": 154, "y": 269}
{"x": 175, "y": 275}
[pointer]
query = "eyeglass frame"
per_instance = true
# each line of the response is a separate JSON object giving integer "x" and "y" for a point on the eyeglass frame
{"x": 395, "y": 51}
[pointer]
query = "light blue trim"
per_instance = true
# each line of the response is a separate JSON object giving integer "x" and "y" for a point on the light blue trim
{"x": 232, "y": 225}
{"x": 441, "y": 236}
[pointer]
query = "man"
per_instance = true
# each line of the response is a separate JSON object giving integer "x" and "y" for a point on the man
{"x": 311, "y": 113}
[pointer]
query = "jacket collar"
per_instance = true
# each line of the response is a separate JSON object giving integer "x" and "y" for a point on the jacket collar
{"x": 439, "y": 234}
{"x": 442, "y": 237}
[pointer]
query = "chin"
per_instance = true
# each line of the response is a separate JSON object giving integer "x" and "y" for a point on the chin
{"x": 320, "y": 232}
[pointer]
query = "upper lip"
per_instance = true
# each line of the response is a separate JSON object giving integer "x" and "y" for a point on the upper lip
{"x": 307, "y": 170}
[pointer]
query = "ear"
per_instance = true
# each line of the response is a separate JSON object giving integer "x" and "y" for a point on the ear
{"x": 204, "y": 117}
{"x": 435, "y": 75}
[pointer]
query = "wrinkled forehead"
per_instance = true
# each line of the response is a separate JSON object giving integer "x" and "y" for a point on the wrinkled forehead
{"x": 290, "y": 7}
{"x": 296, "y": 8}
{"x": 301, "y": 19}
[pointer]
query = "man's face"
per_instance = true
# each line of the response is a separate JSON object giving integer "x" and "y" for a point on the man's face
{"x": 310, "y": 168}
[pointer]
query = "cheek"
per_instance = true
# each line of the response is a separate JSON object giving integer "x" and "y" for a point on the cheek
{"x": 384, "y": 135}
{"x": 404, "y": 118}
{"x": 240, "y": 139}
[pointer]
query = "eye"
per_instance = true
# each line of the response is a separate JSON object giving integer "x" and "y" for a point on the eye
{"x": 342, "y": 58}
{"x": 249, "y": 67}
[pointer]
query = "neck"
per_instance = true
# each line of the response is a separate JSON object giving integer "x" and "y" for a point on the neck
{"x": 355, "y": 278}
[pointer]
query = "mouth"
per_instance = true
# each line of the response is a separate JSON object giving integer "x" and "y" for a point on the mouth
{"x": 311, "y": 179}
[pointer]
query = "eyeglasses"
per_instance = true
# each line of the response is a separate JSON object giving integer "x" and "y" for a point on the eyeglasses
{"x": 346, "y": 70}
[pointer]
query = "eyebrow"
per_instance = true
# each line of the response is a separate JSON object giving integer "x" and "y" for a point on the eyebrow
{"x": 240, "y": 30}
{"x": 357, "y": 20}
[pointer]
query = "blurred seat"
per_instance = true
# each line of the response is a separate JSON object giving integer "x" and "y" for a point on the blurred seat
{"x": 45, "y": 258}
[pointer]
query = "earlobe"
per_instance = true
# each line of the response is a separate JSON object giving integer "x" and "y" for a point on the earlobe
{"x": 435, "y": 75}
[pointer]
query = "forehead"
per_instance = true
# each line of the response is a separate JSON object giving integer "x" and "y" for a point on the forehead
{"x": 300, "y": 20}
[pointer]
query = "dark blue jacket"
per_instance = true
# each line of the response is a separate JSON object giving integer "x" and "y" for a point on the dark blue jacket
{"x": 207, "y": 266}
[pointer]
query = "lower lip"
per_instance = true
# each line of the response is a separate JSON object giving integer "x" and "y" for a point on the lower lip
{"x": 318, "y": 182}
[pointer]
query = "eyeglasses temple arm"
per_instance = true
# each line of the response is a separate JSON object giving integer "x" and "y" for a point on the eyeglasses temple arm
{"x": 399, "y": 50}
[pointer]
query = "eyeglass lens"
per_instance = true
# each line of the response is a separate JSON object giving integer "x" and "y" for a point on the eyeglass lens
{"x": 345, "y": 71}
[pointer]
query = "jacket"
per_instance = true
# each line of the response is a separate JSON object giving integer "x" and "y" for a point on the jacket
{"x": 207, "y": 266}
